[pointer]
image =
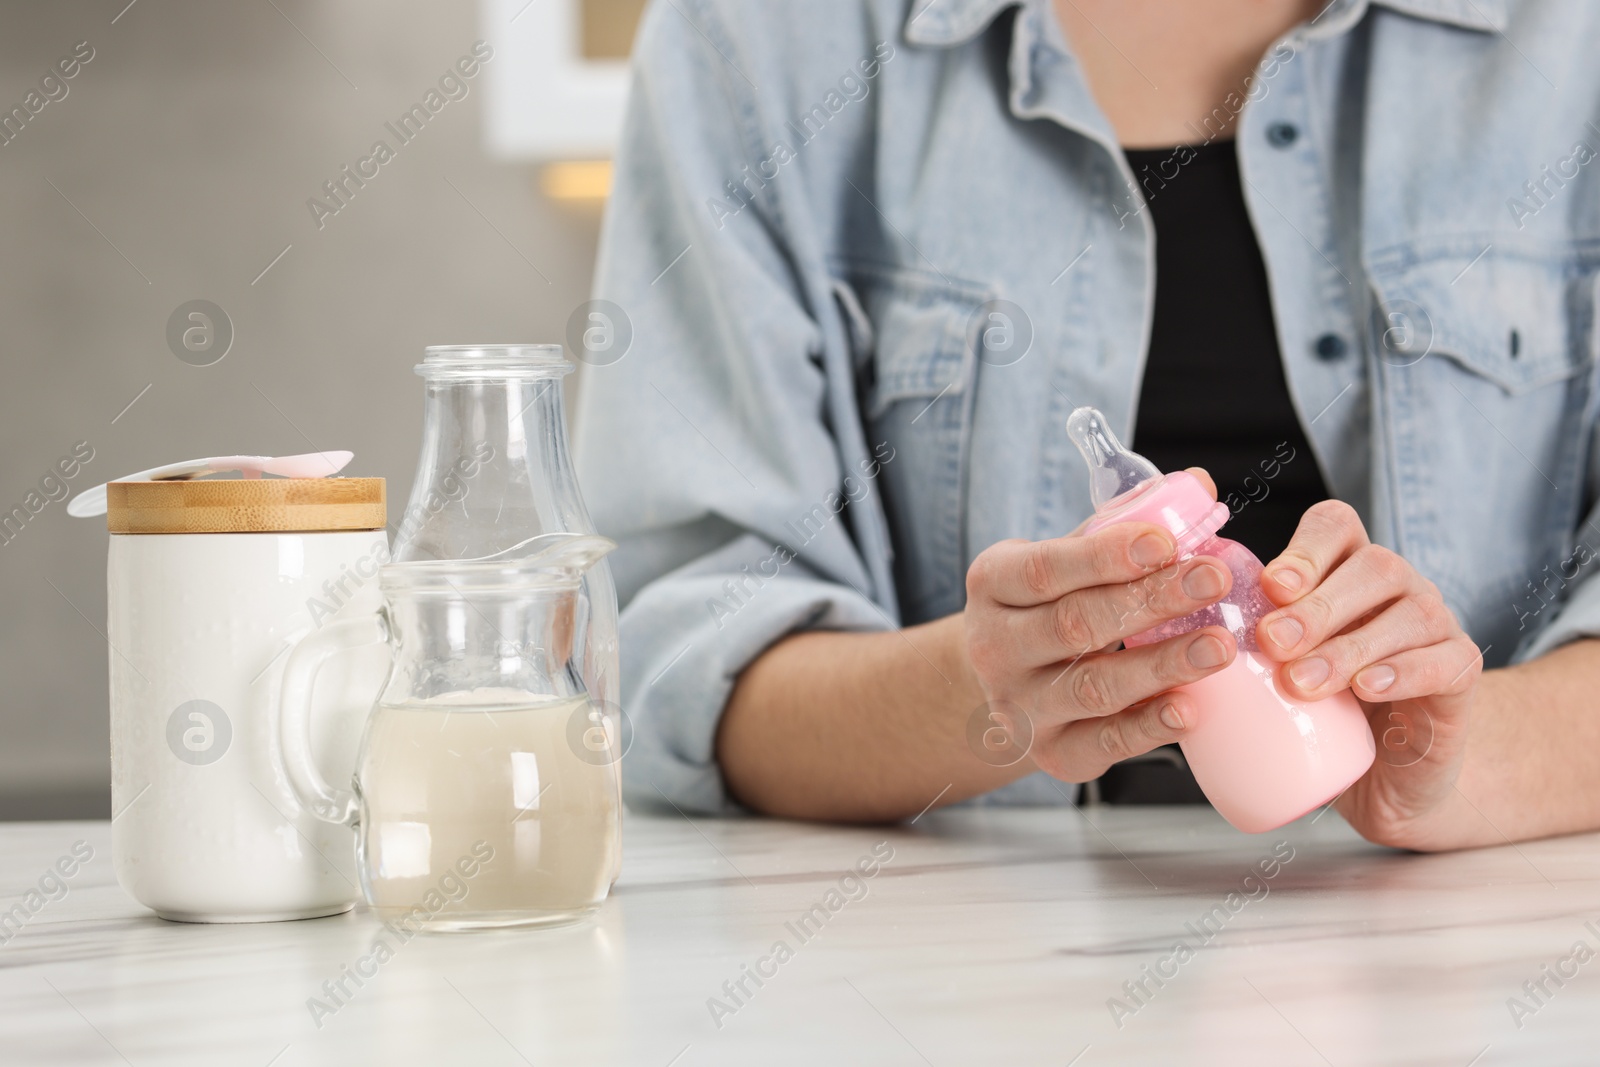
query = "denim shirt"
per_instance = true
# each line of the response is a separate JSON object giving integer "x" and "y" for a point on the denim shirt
{"x": 871, "y": 257}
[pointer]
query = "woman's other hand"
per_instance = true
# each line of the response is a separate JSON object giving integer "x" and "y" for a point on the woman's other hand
{"x": 1355, "y": 615}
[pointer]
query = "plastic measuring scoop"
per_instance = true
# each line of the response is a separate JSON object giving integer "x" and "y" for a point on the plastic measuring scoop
{"x": 92, "y": 502}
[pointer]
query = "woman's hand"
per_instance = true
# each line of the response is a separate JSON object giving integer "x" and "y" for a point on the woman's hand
{"x": 1043, "y": 619}
{"x": 1356, "y": 615}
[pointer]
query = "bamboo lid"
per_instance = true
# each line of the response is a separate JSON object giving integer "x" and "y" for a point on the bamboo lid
{"x": 246, "y": 505}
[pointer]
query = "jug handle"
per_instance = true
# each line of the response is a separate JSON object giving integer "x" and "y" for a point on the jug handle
{"x": 294, "y": 712}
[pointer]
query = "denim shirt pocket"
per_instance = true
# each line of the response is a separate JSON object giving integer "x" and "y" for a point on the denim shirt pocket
{"x": 1511, "y": 321}
{"x": 1484, "y": 361}
{"x": 916, "y": 397}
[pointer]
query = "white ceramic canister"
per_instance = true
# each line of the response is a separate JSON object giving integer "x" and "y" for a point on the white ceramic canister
{"x": 209, "y": 584}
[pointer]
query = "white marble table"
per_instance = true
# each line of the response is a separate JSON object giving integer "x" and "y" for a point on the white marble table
{"x": 988, "y": 937}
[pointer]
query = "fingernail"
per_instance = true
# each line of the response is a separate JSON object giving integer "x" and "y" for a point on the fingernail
{"x": 1151, "y": 550}
{"x": 1376, "y": 679}
{"x": 1309, "y": 673}
{"x": 1203, "y": 582}
{"x": 1206, "y": 652}
{"x": 1288, "y": 578}
{"x": 1170, "y": 716}
{"x": 1285, "y": 632}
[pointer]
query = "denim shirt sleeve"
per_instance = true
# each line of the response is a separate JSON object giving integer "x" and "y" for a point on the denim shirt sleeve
{"x": 1578, "y": 618}
{"x": 705, "y": 450}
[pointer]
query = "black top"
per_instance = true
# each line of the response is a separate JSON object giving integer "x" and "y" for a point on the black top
{"x": 1214, "y": 392}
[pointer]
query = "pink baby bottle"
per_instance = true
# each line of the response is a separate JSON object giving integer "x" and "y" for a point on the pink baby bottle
{"x": 1263, "y": 758}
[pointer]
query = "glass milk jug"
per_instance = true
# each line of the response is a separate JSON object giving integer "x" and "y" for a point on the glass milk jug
{"x": 481, "y": 797}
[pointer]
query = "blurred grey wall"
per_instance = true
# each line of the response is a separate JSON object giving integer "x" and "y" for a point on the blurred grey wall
{"x": 177, "y": 167}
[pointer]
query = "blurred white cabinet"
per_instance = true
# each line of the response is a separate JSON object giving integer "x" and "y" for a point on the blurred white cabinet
{"x": 558, "y": 83}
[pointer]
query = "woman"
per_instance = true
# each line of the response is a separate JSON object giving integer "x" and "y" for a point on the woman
{"x": 874, "y": 252}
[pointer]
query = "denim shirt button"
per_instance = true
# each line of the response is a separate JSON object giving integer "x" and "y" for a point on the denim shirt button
{"x": 1282, "y": 134}
{"x": 1329, "y": 347}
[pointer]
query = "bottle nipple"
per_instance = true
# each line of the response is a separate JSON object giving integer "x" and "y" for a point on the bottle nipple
{"x": 1113, "y": 470}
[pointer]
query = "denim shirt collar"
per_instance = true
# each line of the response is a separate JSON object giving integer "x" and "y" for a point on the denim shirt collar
{"x": 946, "y": 23}
{"x": 1039, "y": 92}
